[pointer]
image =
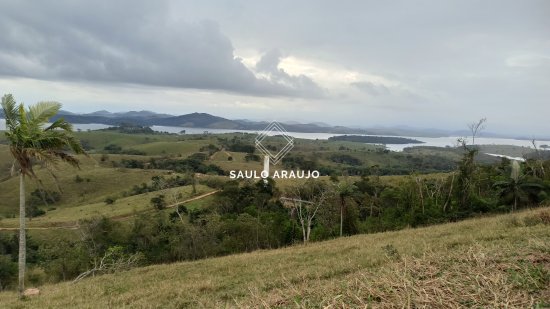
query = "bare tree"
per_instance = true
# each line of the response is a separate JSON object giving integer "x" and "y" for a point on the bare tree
{"x": 304, "y": 202}
{"x": 113, "y": 260}
{"x": 476, "y": 128}
{"x": 539, "y": 169}
{"x": 420, "y": 184}
{"x": 449, "y": 197}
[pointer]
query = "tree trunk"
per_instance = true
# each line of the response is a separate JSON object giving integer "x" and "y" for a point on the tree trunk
{"x": 304, "y": 232}
{"x": 22, "y": 237}
{"x": 194, "y": 184}
{"x": 308, "y": 231}
{"x": 342, "y": 218}
{"x": 450, "y": 194}
{"x": 371, "y": 208}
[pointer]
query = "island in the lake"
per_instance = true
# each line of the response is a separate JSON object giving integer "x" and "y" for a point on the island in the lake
{"x": 375, "y": 139}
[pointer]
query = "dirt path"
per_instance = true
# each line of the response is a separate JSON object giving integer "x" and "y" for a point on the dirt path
{"x": 124, "y": 217}
{"x": 68, "y": 227}
{"x": 74, "y": 226}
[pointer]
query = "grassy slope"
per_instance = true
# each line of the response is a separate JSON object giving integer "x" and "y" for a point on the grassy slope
{"x": 120, "y": 208}
{"x": 182, "y": 147}
{"x": 104, "y": 182}
{"x": 500, "y": 261}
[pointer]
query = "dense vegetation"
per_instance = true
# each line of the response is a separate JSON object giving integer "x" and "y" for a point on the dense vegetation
{"x": 498, "y": 261}
{"x": 247, "y": 216}
{"x": 134, "y": 183}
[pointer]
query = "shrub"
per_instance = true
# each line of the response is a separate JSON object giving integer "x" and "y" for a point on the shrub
{"x": 345, "y": 159}
{"x": 252, "y": 157}
{"x": 158, "y": 202}
{"x": 113, "y": 148}
{"x": 133, "y": 152}
{"x": 110, "y": 200}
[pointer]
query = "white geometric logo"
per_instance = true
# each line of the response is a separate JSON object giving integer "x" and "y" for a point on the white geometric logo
{"x": 274, "y": 127}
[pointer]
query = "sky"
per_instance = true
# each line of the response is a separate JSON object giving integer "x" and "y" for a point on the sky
{"x": 425, "y": 64}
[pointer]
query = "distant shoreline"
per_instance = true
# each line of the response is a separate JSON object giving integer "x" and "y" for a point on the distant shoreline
{"x": 373, "y": 139}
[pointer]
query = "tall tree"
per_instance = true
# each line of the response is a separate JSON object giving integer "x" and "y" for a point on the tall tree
{"x": 344, "y": 190}
{"x": 476, "y": 128}
{"x": 304, "y": 200}
{"x": 32, "y": 141}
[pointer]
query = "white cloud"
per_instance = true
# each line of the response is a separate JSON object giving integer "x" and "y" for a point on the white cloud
{"x": 528, "y": 60}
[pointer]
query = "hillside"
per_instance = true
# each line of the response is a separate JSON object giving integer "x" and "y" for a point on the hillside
{"x": 500, "y": 261}
{"x": 375, "y": 139}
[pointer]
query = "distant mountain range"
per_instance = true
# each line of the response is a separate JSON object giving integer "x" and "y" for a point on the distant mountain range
{"x": 207, "y": 121}
{"x": 196, "y": 120}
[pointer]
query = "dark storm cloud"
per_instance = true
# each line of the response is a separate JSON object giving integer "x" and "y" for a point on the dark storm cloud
{"x": 135, "y": 42}
{"x": 421, "y": 62}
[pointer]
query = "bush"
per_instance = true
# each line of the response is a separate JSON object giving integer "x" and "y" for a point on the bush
{"x": 113, "y": 148}
{"x": 110, "y": 200}
{"x": 38, "y": 198}
{"x": 133, "y": 152}
{"x": 35, "y": 276}
{"x": 33, "y": 211}
{"x": 345, "y": 159}
{"x": 8, "y": 272}
{"x": 158, "y": 202}
{"x": 252, "y": 157}
{"x": 132, "y": 163}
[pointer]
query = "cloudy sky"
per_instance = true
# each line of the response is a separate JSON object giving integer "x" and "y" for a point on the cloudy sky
{"x": 437, "y": 64}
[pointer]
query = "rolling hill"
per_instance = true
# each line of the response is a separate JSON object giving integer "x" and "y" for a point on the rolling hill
{"x": 194, "y": 120}
{"x": 499, "y": 261}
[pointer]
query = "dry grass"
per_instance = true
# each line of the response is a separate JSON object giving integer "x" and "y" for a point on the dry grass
{"x": 474, "y": 276}
{"x": 122, "y": 207}
{"x": 103, "y": 182}
{"x": 493, "y": 262}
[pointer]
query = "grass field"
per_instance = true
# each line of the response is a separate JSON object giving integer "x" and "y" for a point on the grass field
{"x": 184, "y": 148}
{"x": 120, "y": 208}
{"x": 99, "y": 139}
{"x": 98, "y": 183}
{"x": 499, "y": 261}
{"x": 102, "y": 179}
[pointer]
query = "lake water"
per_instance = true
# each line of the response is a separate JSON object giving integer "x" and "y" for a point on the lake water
{"x": 428, "y": 141}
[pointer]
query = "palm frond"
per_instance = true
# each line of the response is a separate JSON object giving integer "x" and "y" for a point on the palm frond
{"x": 10, "y": 111}
{"x": 41, "y": 112}
{"x": 23, "y": 121}
{"x": 31, "y": 143}
{"x": 60, "y": 124}
{"x": 501, "y": 183}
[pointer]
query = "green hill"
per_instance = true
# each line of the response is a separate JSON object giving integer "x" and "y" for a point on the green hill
{"x": 500, "y": 261}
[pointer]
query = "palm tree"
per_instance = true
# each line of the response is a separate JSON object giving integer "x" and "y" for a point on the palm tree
{"x": 32, "y": 141}
{"x": 517, "y": 187}
{"x": 344, "y": 190}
